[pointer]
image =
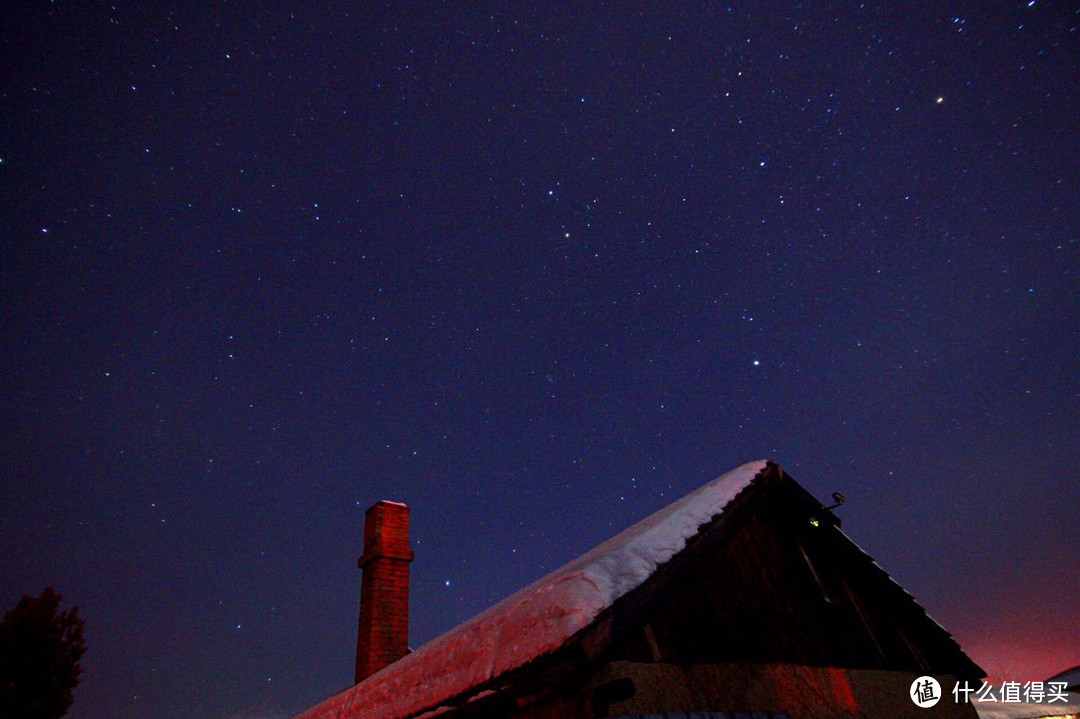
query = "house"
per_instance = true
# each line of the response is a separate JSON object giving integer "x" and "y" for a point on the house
{"x": 742, "y": 599}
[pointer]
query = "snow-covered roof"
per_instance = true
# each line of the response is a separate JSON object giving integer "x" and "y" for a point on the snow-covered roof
{"x": 541, "y": 617}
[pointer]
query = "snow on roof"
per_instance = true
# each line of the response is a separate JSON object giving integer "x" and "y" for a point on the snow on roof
{"x": 541, "y": 617}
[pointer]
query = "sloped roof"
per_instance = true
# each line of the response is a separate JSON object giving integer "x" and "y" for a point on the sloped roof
{"x": 1071, "y": 677}
{"x": 541, "y": 617}
{"x": 578, "y": 605}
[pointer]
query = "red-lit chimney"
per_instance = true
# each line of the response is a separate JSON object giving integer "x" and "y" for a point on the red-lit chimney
{"x": 383, "y": 635}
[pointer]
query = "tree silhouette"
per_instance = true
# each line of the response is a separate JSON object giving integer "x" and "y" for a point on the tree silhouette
{"x": 40, "y": 649}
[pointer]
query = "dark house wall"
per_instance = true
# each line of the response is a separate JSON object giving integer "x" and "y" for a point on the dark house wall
{"x": 777, "y": 588}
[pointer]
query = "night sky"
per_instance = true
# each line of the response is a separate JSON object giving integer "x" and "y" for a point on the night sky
{"x": 537, "y": 272}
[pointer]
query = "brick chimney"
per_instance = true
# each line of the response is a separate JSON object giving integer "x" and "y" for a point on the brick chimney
{"x": 383, "y": 635}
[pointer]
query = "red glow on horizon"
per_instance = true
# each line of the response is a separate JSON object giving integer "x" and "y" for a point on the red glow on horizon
{"x": 1008, "y": 654}
{"x": 1018, "y": 633}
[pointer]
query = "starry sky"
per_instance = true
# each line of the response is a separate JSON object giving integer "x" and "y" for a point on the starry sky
{"x": 536, "y": 271}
